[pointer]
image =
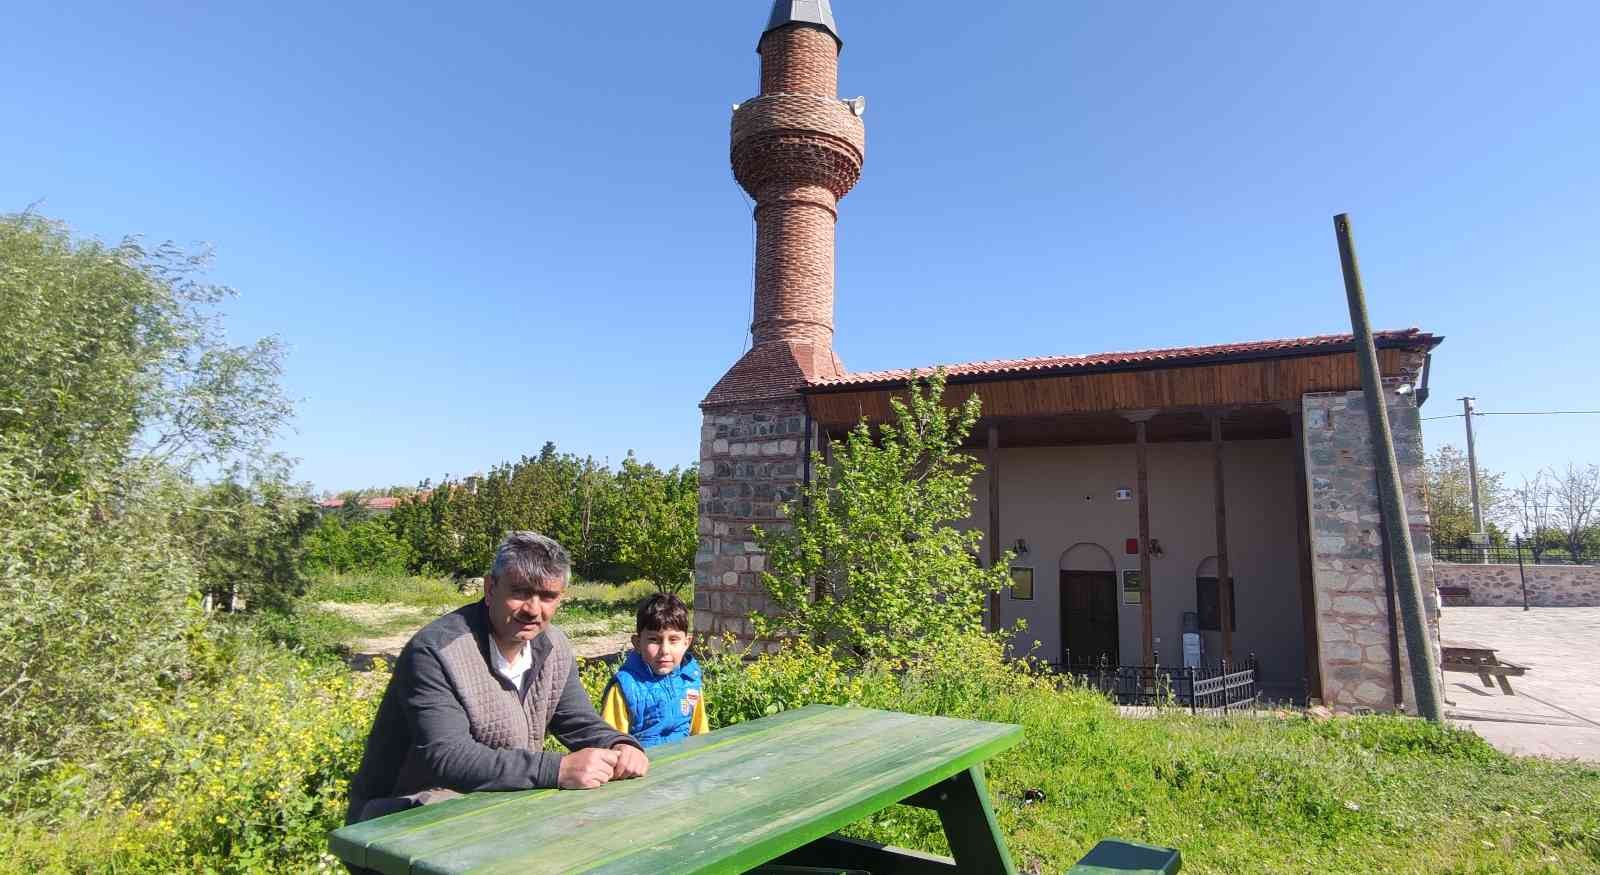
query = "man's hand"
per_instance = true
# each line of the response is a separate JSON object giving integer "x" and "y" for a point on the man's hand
{"x": 631, "y": 762}
{"x": 587, "y": 768}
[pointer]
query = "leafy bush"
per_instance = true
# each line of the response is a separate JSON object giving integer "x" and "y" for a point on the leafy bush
{"x": 97, "y": 606}
{"x": 872, "y": 561}
{"x": 244, "y": 776}
{"x": 338, "y": 546}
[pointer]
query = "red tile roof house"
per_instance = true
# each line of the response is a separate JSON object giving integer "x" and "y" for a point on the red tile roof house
{"x": 377, "y": 504}
{"x": 1128, "y": 483}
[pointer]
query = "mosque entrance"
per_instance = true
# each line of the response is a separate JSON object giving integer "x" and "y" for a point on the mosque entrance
{"x": 1089, "y": 618}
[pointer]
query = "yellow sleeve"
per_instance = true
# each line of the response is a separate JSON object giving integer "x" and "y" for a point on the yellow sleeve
{"x": 699, "y": 724}
{"x": 614, "y": 708}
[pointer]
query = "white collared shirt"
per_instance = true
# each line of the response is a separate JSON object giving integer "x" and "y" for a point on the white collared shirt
{"x": 517, "y": 671}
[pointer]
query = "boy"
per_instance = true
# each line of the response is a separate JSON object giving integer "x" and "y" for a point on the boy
{"x": 656, "y": 696}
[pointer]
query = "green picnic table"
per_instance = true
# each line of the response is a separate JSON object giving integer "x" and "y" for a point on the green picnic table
{"x": 771, "y": 791}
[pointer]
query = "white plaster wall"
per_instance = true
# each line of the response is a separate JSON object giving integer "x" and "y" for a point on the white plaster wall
{"x": 1055, "y": 497}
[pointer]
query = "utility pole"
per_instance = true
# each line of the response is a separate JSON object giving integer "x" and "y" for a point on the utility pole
{"x": 1472, "y": 465}
{"x": 1397, "y": 531}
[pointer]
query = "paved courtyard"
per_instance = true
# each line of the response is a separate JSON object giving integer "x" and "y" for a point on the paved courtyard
{"x": 1556, "y": 709}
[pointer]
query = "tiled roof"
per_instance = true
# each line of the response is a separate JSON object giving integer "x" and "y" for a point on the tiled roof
{"x": 773, "y": 370}
{"x": 1149, "y": 358}
{"x": 382, "y": 502}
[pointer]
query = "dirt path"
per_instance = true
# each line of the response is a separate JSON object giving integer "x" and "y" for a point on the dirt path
{"x": 589, "y": 640}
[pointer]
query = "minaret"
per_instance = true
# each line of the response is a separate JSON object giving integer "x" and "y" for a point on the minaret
{"x": 797, "y": 149}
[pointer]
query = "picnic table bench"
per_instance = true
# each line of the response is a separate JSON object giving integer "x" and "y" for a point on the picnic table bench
{"x": 1480, "y": 660}
{"x": 769, "y": 793}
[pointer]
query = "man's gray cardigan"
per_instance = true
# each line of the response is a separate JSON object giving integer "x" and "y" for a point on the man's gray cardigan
{"x": 449, "y": 722}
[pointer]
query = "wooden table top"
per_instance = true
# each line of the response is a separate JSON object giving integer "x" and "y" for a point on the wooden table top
{"x": 722, "y": 802}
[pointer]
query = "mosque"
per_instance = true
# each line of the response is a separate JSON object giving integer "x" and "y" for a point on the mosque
{"x": 1225, "y": 488}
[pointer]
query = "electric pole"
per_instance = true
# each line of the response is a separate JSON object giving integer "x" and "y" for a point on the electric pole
{"x": 1472, "y": 465}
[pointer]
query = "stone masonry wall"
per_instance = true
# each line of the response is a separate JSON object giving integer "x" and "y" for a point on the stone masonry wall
{"x": 1347, "y": 543}
{"x": 752, "y": 459}
{"x": 1549, "y": 586}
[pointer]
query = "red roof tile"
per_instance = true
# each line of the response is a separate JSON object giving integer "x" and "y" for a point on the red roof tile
{"x": 773, "y": 370}
{"x": 1151, "y": 358}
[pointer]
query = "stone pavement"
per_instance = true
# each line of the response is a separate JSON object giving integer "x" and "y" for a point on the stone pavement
{"x": 1556, "y": 710}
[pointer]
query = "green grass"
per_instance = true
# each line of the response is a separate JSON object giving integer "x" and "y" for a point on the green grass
{"x": 435, "y": 593}
{"x": 1275, "y": 795}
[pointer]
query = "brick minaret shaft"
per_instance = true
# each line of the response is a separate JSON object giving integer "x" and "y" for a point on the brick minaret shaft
{"x": 797, "y": 149}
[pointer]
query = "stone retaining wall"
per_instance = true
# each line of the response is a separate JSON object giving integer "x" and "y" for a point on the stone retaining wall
{"x": 1549, "y": 586}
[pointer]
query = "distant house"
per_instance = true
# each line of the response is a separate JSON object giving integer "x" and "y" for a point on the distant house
{"x": 375, "y": 504}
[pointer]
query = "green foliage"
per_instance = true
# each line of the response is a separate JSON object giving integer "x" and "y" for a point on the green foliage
{"x": 247, "y": 774}
{"x": 246, "y": 532}
{"x": 610, "y": 522}
{"x": 116, "y": 352}
{"x": 1450, "y": 498}
{"x": 338, "y": 546}
{"x": 97, "y": 604}
{"x": 874, "y": 535}
{"x": 657, "y": 513}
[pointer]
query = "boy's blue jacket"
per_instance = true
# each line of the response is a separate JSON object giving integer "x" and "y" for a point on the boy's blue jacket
{"x": 661, "y": 708}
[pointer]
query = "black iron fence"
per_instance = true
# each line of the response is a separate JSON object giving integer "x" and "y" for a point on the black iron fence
{"x": 1510, "y": 554}
{"x": 1216, "y": 688}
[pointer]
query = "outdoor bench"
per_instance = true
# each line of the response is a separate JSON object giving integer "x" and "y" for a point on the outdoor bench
{"x": 1481, "y": 661}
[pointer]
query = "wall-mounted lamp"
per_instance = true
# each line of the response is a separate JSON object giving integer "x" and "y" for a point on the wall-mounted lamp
{"x": 1155, "y": 549}
{"x": 1022, "y": 547}
{"x": 1403, "y": 389}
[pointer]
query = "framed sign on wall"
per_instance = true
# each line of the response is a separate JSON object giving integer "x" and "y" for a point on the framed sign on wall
{"x": 1022, "y": 584}
{"x": 1132, "y": 587}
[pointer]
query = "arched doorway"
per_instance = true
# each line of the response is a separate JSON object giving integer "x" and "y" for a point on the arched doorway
{"x": 1088, "y": 607}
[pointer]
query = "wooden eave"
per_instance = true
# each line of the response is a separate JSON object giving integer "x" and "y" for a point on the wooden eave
{"x": 1085, "y": 406}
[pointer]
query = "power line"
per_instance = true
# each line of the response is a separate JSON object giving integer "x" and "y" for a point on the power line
{"x": 1518, "y": 413}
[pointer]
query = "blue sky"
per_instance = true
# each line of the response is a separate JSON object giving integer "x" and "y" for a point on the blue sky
{"x": 478, "y": 228}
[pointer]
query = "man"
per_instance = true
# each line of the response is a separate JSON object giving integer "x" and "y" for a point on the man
{"x": 474, "y": 693}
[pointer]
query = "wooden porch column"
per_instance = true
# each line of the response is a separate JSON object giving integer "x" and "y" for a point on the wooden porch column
{"x": 1224, "y": 573}
{"x": 1147, "y": 621}
{"x": 1302, "y": 532}
{"x": 992, "y": 464}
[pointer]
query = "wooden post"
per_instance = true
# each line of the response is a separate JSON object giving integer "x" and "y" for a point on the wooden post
{"x": 1147, "y": 621}
{"x": 1224, "y": 572}
{"x": 992, "y": 465}
{"x": 1302, "y": 536}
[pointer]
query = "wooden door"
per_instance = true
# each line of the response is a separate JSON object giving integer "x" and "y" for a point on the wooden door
{"x": 1089, "y": 617}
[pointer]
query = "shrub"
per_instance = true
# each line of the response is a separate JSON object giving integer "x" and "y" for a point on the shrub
{"x": 246, "y": 776}
{"x": 338, "y": 546}
{"x": 97, "y": 606}
{"x": 871, "y": 561}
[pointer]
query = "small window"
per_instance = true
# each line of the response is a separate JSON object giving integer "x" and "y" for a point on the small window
{"x": 1022, "y": 584}
{"x": 1208, "y": 604}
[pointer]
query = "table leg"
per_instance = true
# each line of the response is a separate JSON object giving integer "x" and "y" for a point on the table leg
{"x": 969, "y": 824}
{"x": 1505, "y": 682}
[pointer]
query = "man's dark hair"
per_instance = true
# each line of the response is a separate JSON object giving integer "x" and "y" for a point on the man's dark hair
{"x": 661, "y": 612}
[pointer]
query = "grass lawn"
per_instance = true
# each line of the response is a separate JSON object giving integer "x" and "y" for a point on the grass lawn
{"x": 1275, "y": 794}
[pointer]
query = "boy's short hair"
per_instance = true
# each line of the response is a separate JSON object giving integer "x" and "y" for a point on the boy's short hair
{"x": 661, "y": 612}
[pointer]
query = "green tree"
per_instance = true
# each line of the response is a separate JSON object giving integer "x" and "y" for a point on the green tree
{"x": 657, "y": 514}
{"x": 111, "y": 353}
{"x": 872, "y": 561}
{"x": 1450, "y": 498}
{"x": 98, "y": 598}
{"x": 246, "y": 532}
